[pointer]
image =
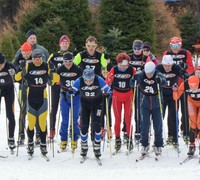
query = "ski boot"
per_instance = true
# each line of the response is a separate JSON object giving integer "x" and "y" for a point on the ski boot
{"x": 129, "y": 146}
{"x": 11, "y": 143}
{"x": 43, "y": 149}
{"x": 137, "y": 138}
{"x": 191, "y": 150}
{"x": 186, "y": 139}
{"x": 84, "y": 148}
{"x": 124, "y": 137}
{"x": 118, "y": 144}
{"x": 144, "y": 150}
{"x": 63, "y": 145}
{"x": 30, "y": 149}
{"x": 74, "y": 145}
{"x": 96, "y": 149}
{"x": 157, "y": 150}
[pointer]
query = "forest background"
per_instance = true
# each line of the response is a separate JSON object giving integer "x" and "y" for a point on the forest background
{"x": 115, "y": 23}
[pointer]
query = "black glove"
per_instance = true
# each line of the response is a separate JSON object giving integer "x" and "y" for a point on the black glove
{"x": 183, "y": 73}
{"x": 158, "y": 79}
{"x": 51, "y": 66}
{"x": 23, "y": 72}
{"x": 70, "y": 91}
{"x": 107, "y": 94}
{"x": 22, "y": 64}
{"x": 183, "y": 65}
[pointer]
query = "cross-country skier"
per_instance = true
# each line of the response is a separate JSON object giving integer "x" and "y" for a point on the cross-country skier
{"x": 57, "y": 60}
{"x": 192, "y": 87}
{"x": 183, "y": 58}
{"x": 120, "y": 76}
{"x": 150, "y": 81}
{"x": 91, "y": 89}
{"x": 7, "y": 70}
{"x": 68, "y": 73}
{"x": 37, "y": 75}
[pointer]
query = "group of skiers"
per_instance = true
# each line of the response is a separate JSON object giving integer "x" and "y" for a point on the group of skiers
{"x": 85, "y": 85}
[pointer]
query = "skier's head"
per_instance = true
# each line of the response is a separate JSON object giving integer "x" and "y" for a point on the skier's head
{"x": 167, "y": 62}
{"x": 37, "y": 57}
{"x": 193, "y": 82}
{"x": 88, "y": 76}
{"x": 64, "y": 43}
{"x": 123, "y": 60}
{"x": 146, "y": 48}
{"x": 149, "y": 68}
{"x": 68, "y": 59}
{"x": 137, "y": 47}
{"x": 197, "y": 71}
{"x": 31, "y": 37}
{"x": 26, "y": 50}
{"x": 91, "y": 45}
{"x": 175, "y": 44}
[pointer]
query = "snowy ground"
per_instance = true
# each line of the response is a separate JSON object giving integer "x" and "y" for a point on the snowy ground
{"x": 120, "y": 167}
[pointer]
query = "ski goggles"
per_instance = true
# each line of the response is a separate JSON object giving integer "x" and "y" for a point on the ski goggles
{"x": 137, "y": 48}
{"x": 175, "y": 46}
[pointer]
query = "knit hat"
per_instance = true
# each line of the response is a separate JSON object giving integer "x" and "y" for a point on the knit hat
{"x": 68, "y": 56}
{"x": 26, "y": 47}
{"x": 149, "y": 68}
{"x": 30, "y": 32}
{"x": 88, "y": 74}
{"x": 146, "y": 45}
{"x": 2, "y": 58}
{"x": 137, "y": 44}
{"x": 167, "y": 59}
{"x": 64, "y": 38}
{"x": 193, "y": 82}
{"x": 123, "y": 58}
{"x": 37, "y": 53}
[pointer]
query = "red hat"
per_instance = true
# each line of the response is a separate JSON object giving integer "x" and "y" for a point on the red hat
{"x": 176, "y": 40}
{"x": 26, "y": 47}
{"x": 122, "y": 57}
{"x": 193, "y": 82}
{"x": 64, "y": 38}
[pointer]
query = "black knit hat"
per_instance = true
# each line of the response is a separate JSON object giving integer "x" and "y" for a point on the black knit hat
{"x": 2, "y": 58}
{"x": 137, "y": 44}
{"x": 30, "y": 32}
{"x": 146, "y": 45}
{"x": 68, "y": 56}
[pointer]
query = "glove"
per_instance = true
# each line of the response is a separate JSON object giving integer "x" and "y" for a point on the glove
{"x": 158, "y": 79}
{"x": 51, "y": 66}
{"x": 107, "y": 94}
{"x": 183, "y": 65}
{"x": 70, "y": 91}
{"x": 175, "y": 87}
{"x": 23, "y": 72}
{"x": 183, "y": 73}
{"x": 22, "y": 64}
{"x": 11, "y": 71}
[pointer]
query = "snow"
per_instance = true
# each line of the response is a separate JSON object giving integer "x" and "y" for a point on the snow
{"x": 120, "y": 167}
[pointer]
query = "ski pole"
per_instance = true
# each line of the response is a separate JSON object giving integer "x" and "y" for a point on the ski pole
{"x": 130, "y": 128}
{"x": 72, "y": 124}
{"x": 176, "y": 102}
{"x": 108, "y": 127}
{"x": 137, "y": 115}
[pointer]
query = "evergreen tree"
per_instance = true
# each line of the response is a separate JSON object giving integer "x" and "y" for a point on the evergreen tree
{"x": 52, "y": 19}
{"x": 188, "y": 24}
{"x": 133, "y": 17}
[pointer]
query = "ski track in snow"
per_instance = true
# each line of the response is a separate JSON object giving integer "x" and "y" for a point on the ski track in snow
{"x": 120, "y": 167}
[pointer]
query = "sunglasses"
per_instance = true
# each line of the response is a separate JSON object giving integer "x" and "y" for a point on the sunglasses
{"x": 175, "y": 46}
{"x": 67, "y": 61}
{"x": 146, "y": 50}
{"x": 137, "y": 48}
{"x": 91, "y": 46}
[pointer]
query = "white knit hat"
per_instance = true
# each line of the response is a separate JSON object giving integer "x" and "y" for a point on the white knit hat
{"x": 149, "y": 68}
{"x": 167, "y": 59}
